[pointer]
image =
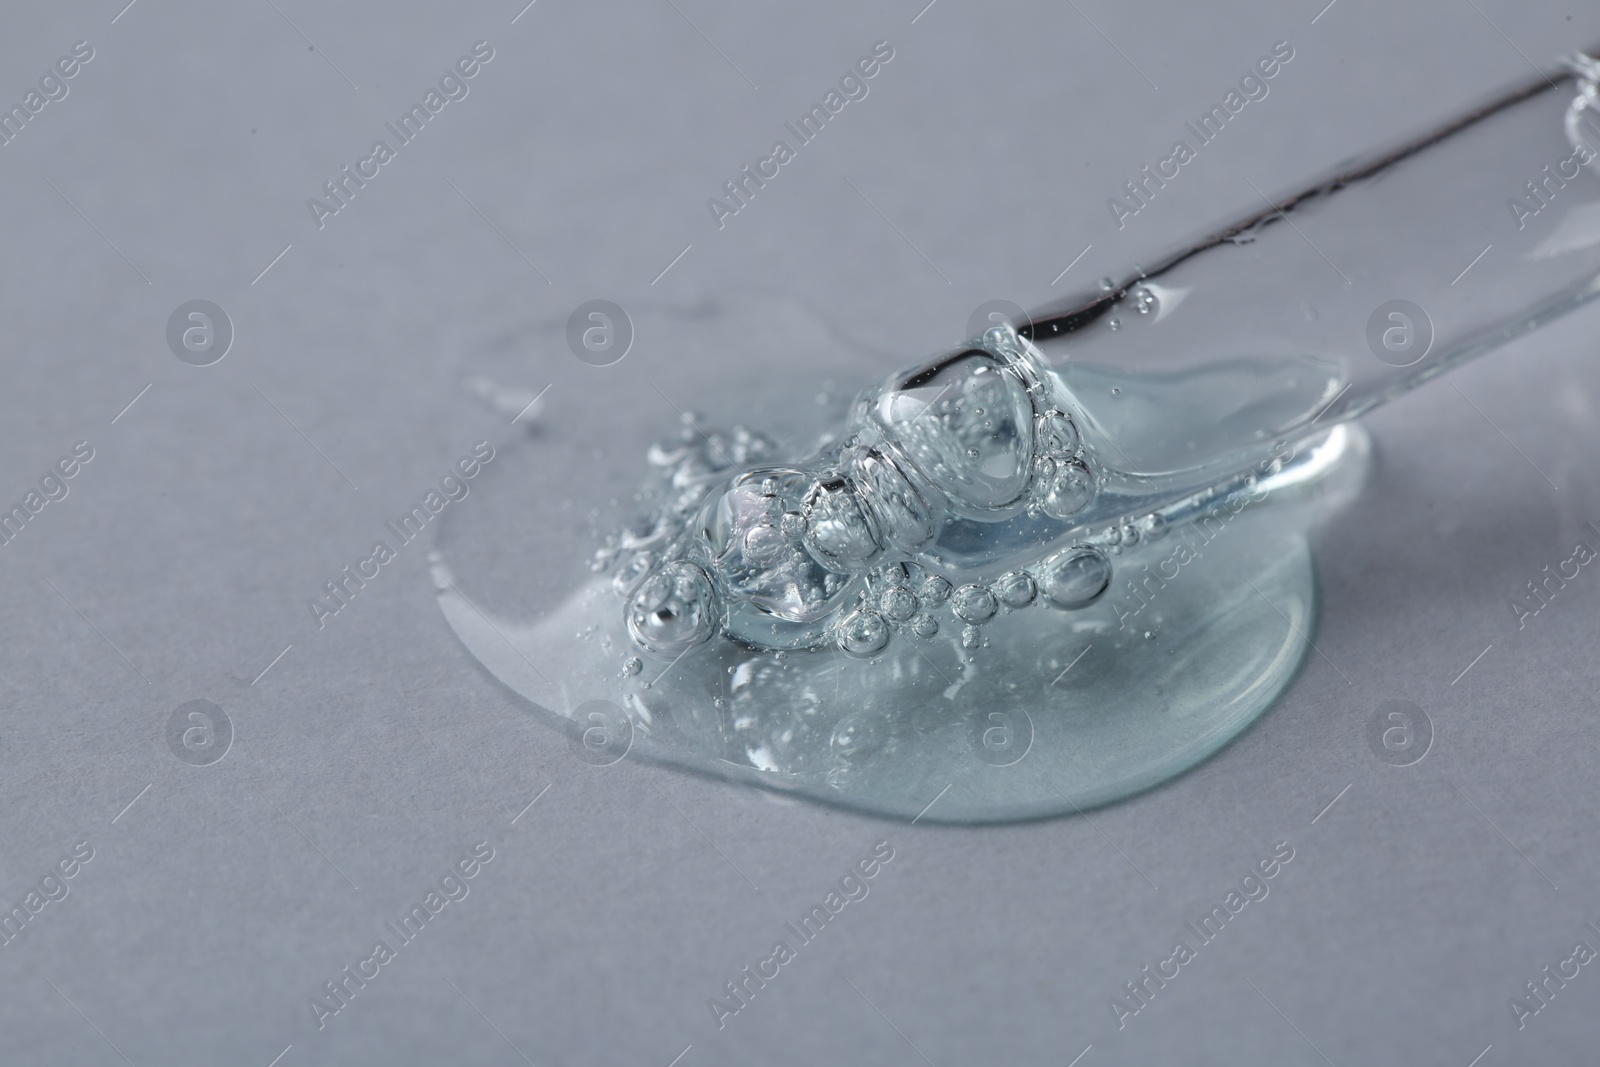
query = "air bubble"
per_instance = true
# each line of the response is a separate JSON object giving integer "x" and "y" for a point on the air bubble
{"x": 1067, "y": 488}
{"x": 793, "y": 528}
{"x": 838, "y": 532}
{"x": 1015, "y": 590}
{"x": 935, "y": 590}
{"x": 674, "y": 610}
{"x": 967, "y": 424}
{"x": 764, "y": 545}
{"x": 924, "y": 625}
{"x": 631, "y": 573}
{"x": 970, "y": 637}
{"x": 863, "y": 633}
{"x": 666, "y": 454}
{"x": 1076, "y": 578}
{"x": 1056, "y": 435}
{"x": 974, "y": 604}
{"x": 1001, "y": 335}
{"x": 764, "y": 564}
{"x": 891, "y": 574}
{"x": 898, "y": 603}
{"x": 903, "y": 517}
{"x": 632, "y": 666}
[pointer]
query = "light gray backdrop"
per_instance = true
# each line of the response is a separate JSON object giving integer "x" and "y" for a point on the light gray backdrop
{"x": 375, "y": 753}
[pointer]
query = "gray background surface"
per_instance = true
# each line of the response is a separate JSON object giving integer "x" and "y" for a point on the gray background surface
{"x": 375, "y": 752}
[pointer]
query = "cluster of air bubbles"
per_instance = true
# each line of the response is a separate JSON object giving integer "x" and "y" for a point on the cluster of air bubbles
{"x": 1063, "y": 482}
{"x": 819, "y": 554}
{"x": 903, "y": 599}
{"x": 687, "y": 470}
{"x": 1144, "y": 301}
{"x": 1127, "y": 534}
{"x": 634, "y": 569}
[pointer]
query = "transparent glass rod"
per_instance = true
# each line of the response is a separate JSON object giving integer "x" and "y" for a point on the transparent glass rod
{"x": 1329, "y": 301}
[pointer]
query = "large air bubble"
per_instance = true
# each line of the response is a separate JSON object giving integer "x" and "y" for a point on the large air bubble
{"x": 757, "y": 555}
{"x": 967, "y": 424}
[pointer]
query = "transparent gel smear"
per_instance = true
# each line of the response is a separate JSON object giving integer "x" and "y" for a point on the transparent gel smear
{"x": 1047, "y": 569}
{"x": 1053, "y": 711}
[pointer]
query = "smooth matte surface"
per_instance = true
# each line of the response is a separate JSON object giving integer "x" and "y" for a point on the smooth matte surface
{"x": 375, "y": 752}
